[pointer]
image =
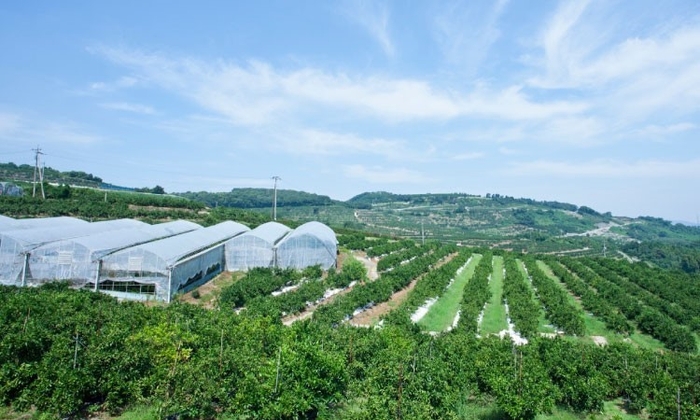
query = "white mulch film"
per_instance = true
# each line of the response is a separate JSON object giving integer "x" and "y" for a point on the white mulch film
{"x": 514, "y": 335}
{"x": 420, "y": 312}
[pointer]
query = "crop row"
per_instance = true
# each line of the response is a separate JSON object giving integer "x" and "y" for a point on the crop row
{"x": 649, "y": 320}
{"x": 673, "y": 286}
{"x": 399, "y": 257}
{"x": 389, "y": 247}
{"x": 380, "y": 290}
{"x": 434, "y": 283}
{"x": 307, "y": 292}
{"x": 560, "y": 311}
{"x": 262, "y": 282}
{"x": 598, "y": 306}
{"x": 476, "y": 294}
{"x": 523, "y": 309}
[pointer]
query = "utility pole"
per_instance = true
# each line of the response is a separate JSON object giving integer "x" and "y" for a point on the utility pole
{"x": 38, "y": 152}
{"x": 274, "y": 201}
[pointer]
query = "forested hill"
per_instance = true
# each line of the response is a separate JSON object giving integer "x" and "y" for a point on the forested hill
{"x": 12, "y": 172}
{"x": 248, "y": 198}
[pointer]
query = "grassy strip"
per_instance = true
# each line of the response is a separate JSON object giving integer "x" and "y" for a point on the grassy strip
{"x": 442, "y": 313}
{"x": 543, "y": 324}
{"x": 495, "y": 313}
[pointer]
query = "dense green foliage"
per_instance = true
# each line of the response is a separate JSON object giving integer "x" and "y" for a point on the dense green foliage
{"x": 523, "y": 307}
{"x": 678, "y": 256}
{"x": 93, "y": 205}
{"x": 648, "y": 318}
{"x": 67, "y": 353}
{"x": 248, "y": 198}
{"x": 559, "y": 310}
{"x": 590, "y": 300}
{"x": 24, "y": 172}
{"x": 476, "y": 294}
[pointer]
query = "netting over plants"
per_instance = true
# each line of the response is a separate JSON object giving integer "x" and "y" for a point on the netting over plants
{"x": 312, "y": 243}
{"x": 77, "y": 260}
{"x": 255, "y": 248}
{"x": 17, "y": 245}
{"x": 161, "y": 268}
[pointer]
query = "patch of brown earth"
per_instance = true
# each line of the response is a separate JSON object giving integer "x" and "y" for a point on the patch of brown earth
{"x": 372, "y": 315}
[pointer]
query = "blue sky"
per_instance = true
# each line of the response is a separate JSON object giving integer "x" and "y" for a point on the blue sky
{"x": 591, "y": 102}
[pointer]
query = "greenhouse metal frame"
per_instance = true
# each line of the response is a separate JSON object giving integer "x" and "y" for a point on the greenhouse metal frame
{"x": 161, "y": 268}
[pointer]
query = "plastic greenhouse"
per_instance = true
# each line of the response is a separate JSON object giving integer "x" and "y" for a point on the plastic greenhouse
{"x": 6, "y": 222}
{"x": 162, "y": 268}
{"x": 312, "y": 243}
{"x": 16, "y": 245}
{"x": 78, "y": 259}
{"x": 255, "y": 248}
{"x": 39, "y": 223}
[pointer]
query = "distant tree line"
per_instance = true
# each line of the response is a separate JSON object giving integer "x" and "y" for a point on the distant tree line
{"x": 249, "y": 198}
{"x": 24, "y": 172}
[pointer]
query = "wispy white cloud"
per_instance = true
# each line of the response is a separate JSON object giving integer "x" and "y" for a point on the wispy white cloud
{"x": 381, "y": 175}
{"x": 465, "y": 32}
{"x": 129, "y": 107}
{"x": 609, "y": 168}
{"x": 122, "y": 82}
{"x": 326, "y": 143}
{"x": 258, "y": 93}
{"x": 663, "y": 131}
{"x": 372, "y": 16}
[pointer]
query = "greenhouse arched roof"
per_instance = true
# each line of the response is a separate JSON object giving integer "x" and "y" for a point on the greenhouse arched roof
{"x": 175, "y": 248}
{"x": 42, "y": 223}
{"x": 26, "y": 239}
{"x": 270, "y": 232}
{"x": 312, "y": 243}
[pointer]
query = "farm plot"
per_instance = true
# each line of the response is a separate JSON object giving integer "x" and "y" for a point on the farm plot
{"x": 443, "y": 314}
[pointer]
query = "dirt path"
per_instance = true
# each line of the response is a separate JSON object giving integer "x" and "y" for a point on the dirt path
{"x": 370, "y": 264}
{"x": 371, "y": 316}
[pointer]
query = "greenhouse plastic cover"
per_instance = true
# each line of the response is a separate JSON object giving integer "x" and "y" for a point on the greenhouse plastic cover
{"x": 312, "y": 243}
{"x": 40, "y": 223}
{"x": 15, "y": 243}
{"x": 254, "y": 248}
{"x": 77, "y": 259}
{"x": 6, "y": 222}
{"x": 182, "y": 258}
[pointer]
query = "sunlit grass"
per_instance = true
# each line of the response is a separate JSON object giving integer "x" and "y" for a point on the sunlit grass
{"x": 495, "y": 313}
